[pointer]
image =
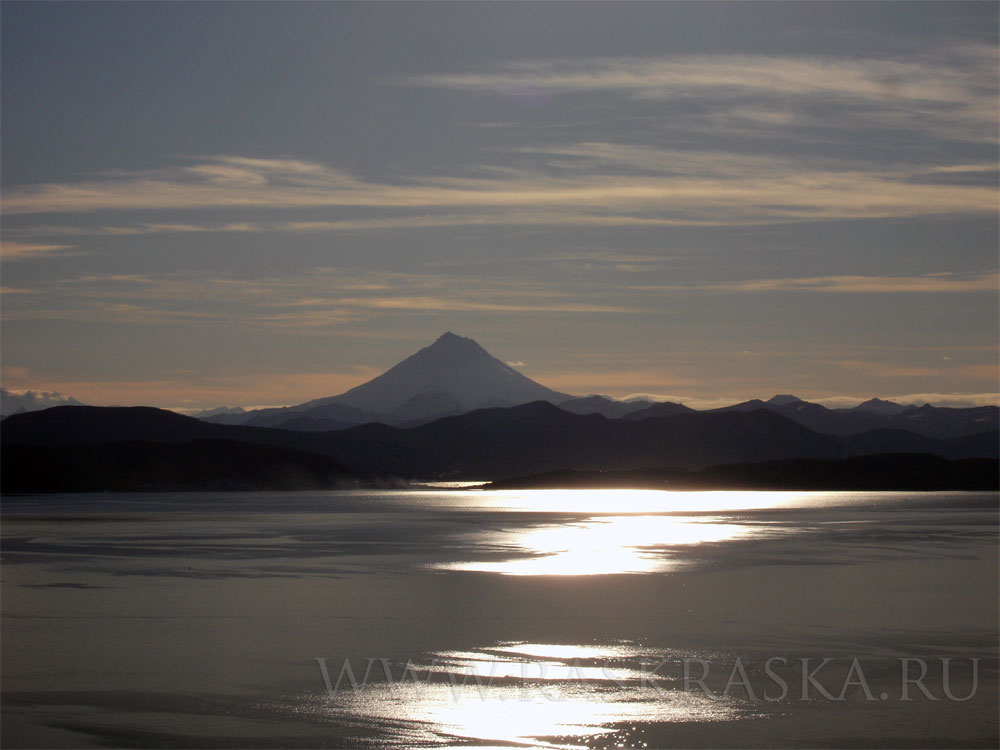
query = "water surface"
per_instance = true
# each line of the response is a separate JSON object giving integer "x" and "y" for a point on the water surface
{"x": 515, "y": 618}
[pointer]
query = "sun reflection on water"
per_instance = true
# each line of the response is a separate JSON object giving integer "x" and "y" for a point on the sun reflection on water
{"x": 503, "y": 695}
{"x": 601, "y": 545}
{"x": 623, "y": 501}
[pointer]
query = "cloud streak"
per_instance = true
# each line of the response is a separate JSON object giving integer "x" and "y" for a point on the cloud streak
{"x": 707, "y": 188}
{"x": 949, "y": 77}
{"x": 952, "y": 89}
{"x": 320, "y": 299}
{"x": 930, "y": 283}
{"x": 13, "y": 250}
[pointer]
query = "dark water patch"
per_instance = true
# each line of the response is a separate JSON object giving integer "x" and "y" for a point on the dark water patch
{"x": 60, "y": 585}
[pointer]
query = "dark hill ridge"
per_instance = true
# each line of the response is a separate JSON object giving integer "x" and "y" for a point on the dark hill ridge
{"x": 499, "y": 443}
{"x": 83, "y": 425}
{"x": 879, "y": 406}
{"x": 91, "y": 425}
{"x": 662, "y": 409}
{"x": 147, "y": 467}
{"x": 927, "y": 420}
{"x": 98, "y": 425}
{"x": 334, "y": 416}
{"x": 909, "y": 471}
{"x": 604, "y": 406}
{"x": 17, "y": 402}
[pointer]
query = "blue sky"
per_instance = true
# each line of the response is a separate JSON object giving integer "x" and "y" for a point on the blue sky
{"x": 265, "y": 203}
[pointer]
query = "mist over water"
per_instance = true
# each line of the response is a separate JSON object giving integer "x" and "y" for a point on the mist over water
{"x": 584, "y": 618}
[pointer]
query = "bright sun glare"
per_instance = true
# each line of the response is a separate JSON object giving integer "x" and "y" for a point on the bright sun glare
{"x": 643, "y": 535}
{"x": 609, "y": 544}
{"x": 504, "y": 694}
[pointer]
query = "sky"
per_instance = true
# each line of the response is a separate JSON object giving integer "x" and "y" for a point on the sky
{"x": 260, "y": 204}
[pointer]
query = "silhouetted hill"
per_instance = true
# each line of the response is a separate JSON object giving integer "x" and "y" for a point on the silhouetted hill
{"x": 307, "y": 423}
{"x": 751, "y": 405}
{"x": 911, "y": 471}
{"x": 606, "y": 407}
{"x": 301, "y": 417}
{"x": 143, "y": 466}
{"x": 94, "y": 425}
{"x": 220, "y": 411}
{"x": 784, "y": 400}
{"x": 882, "y": 472}
{"x": 498, "y": 443}
{"x": 939, "y": 421}
{"x": 880, "y": 406}
{"x": 85, "y": 425}
{"x": 930, "y": 421}
{"x": 494, "y": 443}
{"x": 983, "y": 444}
{"x": 662, "y": 409}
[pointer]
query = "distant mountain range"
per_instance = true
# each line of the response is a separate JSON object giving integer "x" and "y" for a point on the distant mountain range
{"x": 420, "y": 421}
{"x": 455, "y": 375}
{"x": 16, "y": 402}
{"x": 932, "y": 421}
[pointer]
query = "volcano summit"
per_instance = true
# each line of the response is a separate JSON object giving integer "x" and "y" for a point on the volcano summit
{"x": 451, "y": 376}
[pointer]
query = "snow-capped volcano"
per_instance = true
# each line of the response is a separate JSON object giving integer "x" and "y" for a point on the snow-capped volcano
{"x": 454, "y": 368}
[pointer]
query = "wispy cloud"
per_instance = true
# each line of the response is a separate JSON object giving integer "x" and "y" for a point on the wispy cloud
{"x": 948, "y": 77}
{"x": 952, "y": 89}
{"x": 942, "y": 372}
{"x": 888, "y": 369}
{"x": 608, "y": 184}
{"x": 954, "y": 400}
{"x": 930, "y": 283}
{"x": 949, "y": 93}
{"x": 965, "y": 168}
{"x": 604, "y": 262}
{"x": 13, "y": 250}
{"x": 448, "y": 304}
{"x": 614, "y": 381}
{"x": 319, "y": 299}
{"x": 412, "y": 221}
